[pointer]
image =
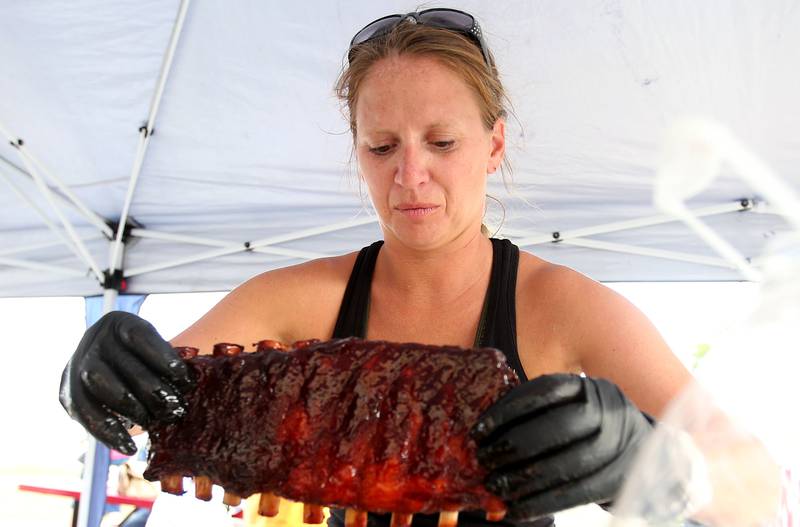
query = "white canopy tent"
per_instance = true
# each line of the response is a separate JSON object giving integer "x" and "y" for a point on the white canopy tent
{"x": 210, "y": 130}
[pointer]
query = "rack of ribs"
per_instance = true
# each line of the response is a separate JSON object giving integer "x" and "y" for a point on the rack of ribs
{"x": 356, "y": 424}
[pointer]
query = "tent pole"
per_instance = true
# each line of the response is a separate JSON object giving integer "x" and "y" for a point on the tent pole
{"x": 52, "y": 226}
{"x": 36, "y": 266}
{"x": 638, "y": 223}
{"x": 146, "y": 131}
{"x": 44, "y": 245}
{"x": 74, "y": 200}
{"x": 48, "y": 194}
{"x": 210, "y": 242}
{"x": 70, "y": 200}
{"x": 721, "y": 246}
{"x": 97, "y": 457}
{"x": 247, "y": 246}
{"x": 645, "y": 251}
{"x": 29, "y": 160}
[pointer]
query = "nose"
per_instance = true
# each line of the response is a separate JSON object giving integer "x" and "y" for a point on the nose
{"x": 412, "y": 168}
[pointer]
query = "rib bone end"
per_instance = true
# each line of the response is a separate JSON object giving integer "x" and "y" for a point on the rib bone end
{"x": 172, "y": 484}
{"x": 448, "y": 518}
{"x": 355, "y": 518}
{"x": 231, "y": 499}
{"x": 186, "y": 352}
{"x": 225, "y": 349}
{"x": 313, "y": 514}
{"x": 264, "y": 345}
{"x": 269, "y": 505}
{"x": 400, "y": 519}
{"x": 202, "y": 488}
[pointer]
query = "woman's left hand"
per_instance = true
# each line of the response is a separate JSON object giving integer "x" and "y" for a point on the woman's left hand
{"x": 558, "y": 441}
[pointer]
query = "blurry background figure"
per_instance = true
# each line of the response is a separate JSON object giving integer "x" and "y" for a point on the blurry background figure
{"x": 125, "y": 478}
{"x": 708, "y": 466}
{"x": 131, "y": 482}
{"x": 726, "y": 453}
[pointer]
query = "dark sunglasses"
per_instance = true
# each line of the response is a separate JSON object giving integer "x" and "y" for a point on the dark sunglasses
{"x": 451, "y": 19}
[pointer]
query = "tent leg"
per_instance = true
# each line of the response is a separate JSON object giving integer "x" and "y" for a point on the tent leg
{"x": 96, "y": 460}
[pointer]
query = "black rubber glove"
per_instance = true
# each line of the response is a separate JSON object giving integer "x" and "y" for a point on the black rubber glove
{"x": 123, "y": 370}
{"x": 558, "y": 441}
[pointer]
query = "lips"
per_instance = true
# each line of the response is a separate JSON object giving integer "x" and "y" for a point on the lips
{"x": 416, "y": 209}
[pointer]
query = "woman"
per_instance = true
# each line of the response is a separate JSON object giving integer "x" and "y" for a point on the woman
{"x": 426, "y": 112}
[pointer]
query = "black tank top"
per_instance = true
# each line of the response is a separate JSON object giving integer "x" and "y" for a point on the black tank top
{"x": 497, "y": 328}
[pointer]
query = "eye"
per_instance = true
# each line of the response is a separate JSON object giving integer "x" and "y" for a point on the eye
{"x": 443, "y": 145}
{"x": 381, "y": 150}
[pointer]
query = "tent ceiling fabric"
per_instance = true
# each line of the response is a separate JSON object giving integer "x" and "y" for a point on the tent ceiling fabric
{"x": 250, "y": 144}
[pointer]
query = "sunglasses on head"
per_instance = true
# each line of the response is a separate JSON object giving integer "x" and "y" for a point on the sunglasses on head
{"x": 451, "y": 19}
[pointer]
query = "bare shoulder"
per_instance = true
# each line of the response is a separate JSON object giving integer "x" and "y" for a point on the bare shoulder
{"x": 287, "y": 304}
{"x": 541, "y": 324}
{"x": 600, "y": 332}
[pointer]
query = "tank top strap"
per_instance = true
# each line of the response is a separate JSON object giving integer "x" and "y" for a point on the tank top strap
{"x": 354, "y": 309}
{"x": 498, "y": 324}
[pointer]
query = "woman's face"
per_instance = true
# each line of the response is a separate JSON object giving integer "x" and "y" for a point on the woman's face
{"x": 423, "y": 151}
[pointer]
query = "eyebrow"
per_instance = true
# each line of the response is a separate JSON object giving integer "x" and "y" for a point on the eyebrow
{"x": 435, "y": 126}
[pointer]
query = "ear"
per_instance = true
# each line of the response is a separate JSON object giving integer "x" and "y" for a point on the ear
{"x": 498, "y": 144}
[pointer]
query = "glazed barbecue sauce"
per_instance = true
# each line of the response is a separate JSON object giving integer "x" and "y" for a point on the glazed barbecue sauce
{"x": 371, "y": 425}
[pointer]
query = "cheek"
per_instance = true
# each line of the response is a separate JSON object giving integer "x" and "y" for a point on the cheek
{"x": 472, "y": 192}
{"x": 471, "y": 180}
{"x": 378, "y": 185}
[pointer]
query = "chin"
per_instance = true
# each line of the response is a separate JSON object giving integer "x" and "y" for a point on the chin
{"x": 420, "y": 238}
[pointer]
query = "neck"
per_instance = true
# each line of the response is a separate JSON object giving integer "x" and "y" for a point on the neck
{"x": 444, "y": 273}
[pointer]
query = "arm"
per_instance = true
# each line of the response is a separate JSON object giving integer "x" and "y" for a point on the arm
{"x": 614, "y": 340}
{"x": 624, "y": 347}
{"x": 562, "y": 440}
{"x": 289, "y": 304}
{"x": 123, "y": 370}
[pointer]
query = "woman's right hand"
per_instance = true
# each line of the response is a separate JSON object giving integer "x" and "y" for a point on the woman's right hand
{"x": 123, "y": 369}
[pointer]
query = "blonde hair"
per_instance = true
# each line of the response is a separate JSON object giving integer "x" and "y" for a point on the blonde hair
{"x": 452, "y": 49}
